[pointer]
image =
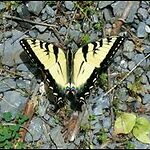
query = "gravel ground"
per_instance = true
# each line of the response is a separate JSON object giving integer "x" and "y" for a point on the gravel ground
{"x": 76, "y": 23}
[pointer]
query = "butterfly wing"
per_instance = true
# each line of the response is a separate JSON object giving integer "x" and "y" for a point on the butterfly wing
{"x": 91, "y": 56}
{"x": 50, "y": 59}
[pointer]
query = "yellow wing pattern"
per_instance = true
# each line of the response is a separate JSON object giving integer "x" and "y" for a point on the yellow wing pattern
{"x": 89, "y": 57}
{"x": 52, "y": 58}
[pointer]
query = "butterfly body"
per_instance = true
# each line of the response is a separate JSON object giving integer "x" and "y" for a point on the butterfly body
{"x": 69, "y": 74}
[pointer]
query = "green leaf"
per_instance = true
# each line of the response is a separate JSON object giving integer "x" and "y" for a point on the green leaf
{"x": 2, "y": 144}
{"x": 129, "y": 145}
{"x": 7, "y": 133}
{"x": 20, "y": 145}
{"x": 124, "y": 123}
{"x": 23, "y": 119}
{"x": 142, "y": 130}
{"x": 2, "y": 138}
{"x": 8, "y": 145}
{"x": 7, "y": 116}
{"x": 85, "y": 39}
{"x": 91, "y": 117}
{"x": 102, "y": 137}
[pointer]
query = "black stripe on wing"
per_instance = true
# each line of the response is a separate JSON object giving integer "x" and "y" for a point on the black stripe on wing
{"x": 34, "y": 58}
{"x": 82, "y": 93}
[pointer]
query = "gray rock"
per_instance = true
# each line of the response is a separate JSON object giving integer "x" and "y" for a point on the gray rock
{"x": 131, "y": 78}
{"x": 141, "y": 32}
{"x": 144, "y": 79}
{"x": 139, "y": 145}
{"x": 69, "y": 5}
{"x": 35, "y": 128}
{"x": 8, "y": 25}
{"x": 51, "y": 20}
{"x": 96, "y": 126}
{"x": 107, "y": 14}
{"x": 148, "y": 21}
{"x": 36, "y": 6}
{"x": 146, "y": 49}
{"x": 123, "y": 94}
{"x": 93, "y": 37}
{"x": 14, "y": 24}
{"x": 59, "y": 138}
{"x": 133, "y": 11}
{"x": 1, "y": 21}
{"x": 144, "y": 4}
{"x": 131, "y": 64}
{"x": 49, "y": 11}
{"x": 37, "y": 19}
{"x": 63, "y": 30}
{"x": 128, "y": 46}
{"x": 8, "y": 34}
{"x": 137, "y": 58}
{"x": 143, "y": 13}
{"x": 94, "y": 18}
{"x": 74, "y": 34}
{"x": 11, "y": 24}
{"x": 138, "y": 71}
{"x": 128, "y": 49}
{"x": 13, "y": 102}
{"x": 97, "y": 110}
{"x": 112, "y": 145}
{"x": 22, "y": 67}
{"x": 86, "y": 27}
{"x": 148, "y": 75}
{"x": 53, "y": 38}
{"x": 146, "y": 87}
{"x": 40, "y": 28}
{"x": 118, "y": 7}
{"x": 11, "y": 49}
{"x": 73, "y": 46}
{"x": 2, "y": 6}
{"x": 107, "y": 122}
{"x": 23, "y": 84}
{"x": 1, "y": 36}
{"x": 99, "y": 102}
{"x": 134, "y": 27}
{"x": 103, "y": 4}
{"x": 45, "y": 146}
{"x": 128, "y": 55}
{"x": 78, "y": 140}
{"x": 45, "y": 36}
{"x": 146, "y": 98}
{"x": 147, "y": 28}
{"x": 117, "y": 61}
{"x": 7, "y": 84}
{"x": 136, "y": 21}
{"x": 77, "y": 27}
{"x": 44, "y": 16}
{"x": 122, "y": 106}
{"x": 123, "y": 64}
{"x": 46, "y": 117}
{"x": 33, "y": 33}
{"x": 43, "y": 106}
{"x": 23, "y": 12}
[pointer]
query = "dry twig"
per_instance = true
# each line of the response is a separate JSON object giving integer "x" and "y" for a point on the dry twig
{"x": 118, "y": 24}
{"x": 29, "y": 21}
{"x": 29, "y": 111}
{"x": 127, "y": 75}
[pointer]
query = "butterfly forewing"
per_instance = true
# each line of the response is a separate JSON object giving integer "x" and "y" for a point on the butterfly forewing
{"x": 94, "y": 55}
{"x": 49, "y": 57}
